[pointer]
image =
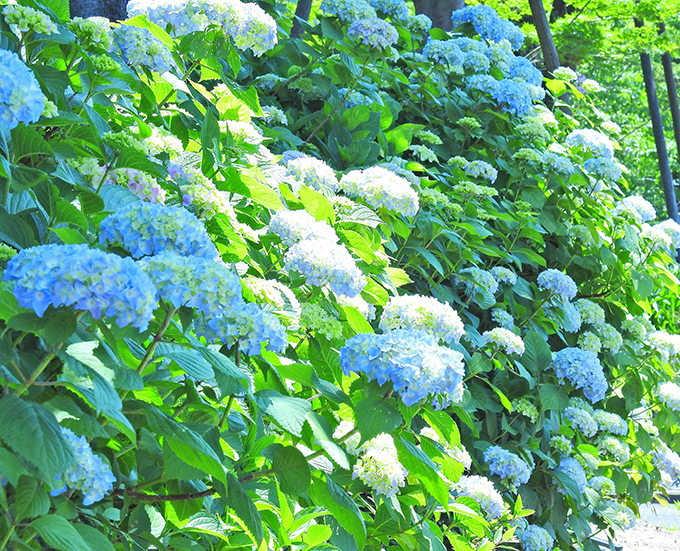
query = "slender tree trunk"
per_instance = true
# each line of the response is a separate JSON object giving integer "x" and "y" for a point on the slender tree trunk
{"x": 657, "y": 128}
{"x": 550, "y": 57}
{"x": 439, "y": 11}
{"x": 115, "y": 10}
{"x": 672, "y": 88}
{"x": 303, "y": 9}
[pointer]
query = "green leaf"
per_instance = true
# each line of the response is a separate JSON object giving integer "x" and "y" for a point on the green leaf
{"x": 375, "y": 415}
{"x": 262, "y": 193}
{"x": 131, "y": 158}
{"x": 290, "y": 413}
{"x": 340, "y": 506}
{"x": 210, "y": 138}
{"x": 356, "y": 320}
{"x": 323, "y": 436}
{"x": 96, "y": 540}
{"x": 31, "y": 499}
{"x": 537, "y": 356}
{"x": 292, "y": 470}
{"x": 191, "y": 361}
{"x": 10, "y": 467}
{"x": 329, "y": 390}
{"x": 15, "y": 231}
{"x": 69, "y": 236}
{"x": 316, "y": 204}
{"x": 57, "y": 532}
{"x": 32, "y": 431}
{"x": 26, "y": 141}
{"x": 503, "y": 398}
{"x": 239, "y": 500}
{"x": 66, "y": 213}
{"x": 417, "y": 462}
{"x": 553, "y": 397}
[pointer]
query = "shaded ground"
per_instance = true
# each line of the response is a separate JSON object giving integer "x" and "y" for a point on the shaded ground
{"x": 657, "y": 530}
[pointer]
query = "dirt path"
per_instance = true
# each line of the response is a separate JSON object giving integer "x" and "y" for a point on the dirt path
{"x": 657, "y": 530}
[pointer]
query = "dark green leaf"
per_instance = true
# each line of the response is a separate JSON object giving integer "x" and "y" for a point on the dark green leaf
{"x": 375, "y": 415}
{"x": 288, "y": 412}
{"x": 292, "y": 470}
{"x": 239, "y": 500}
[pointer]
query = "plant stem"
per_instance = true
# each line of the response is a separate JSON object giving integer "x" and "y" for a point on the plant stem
{"x": 7, "y": 536}
{"x": 146, "y": 360}
{"x": 225, "y": 414}
{"x": 38, "y": 370}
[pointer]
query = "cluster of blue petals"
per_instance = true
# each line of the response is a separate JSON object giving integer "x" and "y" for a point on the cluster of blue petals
{"x": 583, "y": 370}
{"x": 510, "y": 467}
{"x": 21, "y": 100}
{"x": 489, "y": 25}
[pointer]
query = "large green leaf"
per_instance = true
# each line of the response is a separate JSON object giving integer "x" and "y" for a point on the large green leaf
{"x": 32, "y": 431}
{"x": 31, "y": 499}
{"x": 58, "y": 533}
{"x": 417, "y": 462}
{"x": 375, "y": 415}
{"x": 239, "y": 500}
{"x": 323, "y": 436}
{"x": 191, "y": 361}
{"x": 292, "y": 470}
{"x": 290, "y": 413}
{"x": 537, "y": 355}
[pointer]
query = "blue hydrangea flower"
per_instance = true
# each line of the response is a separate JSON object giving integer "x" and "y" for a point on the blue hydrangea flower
{"x": 423, "y": 314}
{"x": 603, "y": 485}
{"x": 478, "y": 280}
{"x": 573, "y": 469}
{"x": 323, "y": 262}
{"x": 255, "y": 28}
{"x": 666, "y": 460}
{"x": 206, "y": 284}
{"x": 591, "y": 313}
{"x": 420, "y": 23}
{"x": 311, "y": 171}
{"x": 504, "y": 339}
{"x": 381, "y": 188}
{"x": 482, "y": 490}
{"x": 591, "y": 141}
{"x": 513, "y": 470}
{"x": 348, "y": 10}
{"x": 583, "y": 370}
{"x": 138, "y": 47}
{"x": 412, "y": 361}
{"x": 248, "y": 325}
{"x": 535, "y": 538}
{"x": 398, "y": 9}
{"x": 558, "y": 283}
{"x": 21, "y": 100}
{"x": 100, "y": 283}
{"x": 489, "y": 25}
{"x": 445, "y": 52}
{"x": 502, "y": 318}
{"x": 401, "y": 171}
{"x": 147, "y": 229}
{"x": 504, "y": 275}
{"x": 292, "y": 226}
{"x": 637, "y": 207}
{"x": 521, "y": 68}
{"x": 89, "y": 474}
{"x": 672, "y": 229}
{"x": 512, "y": 96}
{"x": 582, "y": 420}
{"x": 568, "y": 316}
{"x": 604, "y": 168}
{"x": 480, "y": 169}
{"x": 669, "y": 394}
{"x": 558, "y": 163}
{"x": 373, "y": 32}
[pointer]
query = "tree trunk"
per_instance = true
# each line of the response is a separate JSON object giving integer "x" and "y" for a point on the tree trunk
{"x": 550, "y": 57}
{"x": 303, "y": 9}
{"x": 659, "y": 137}
{"x": 439, "y": 11}
{"x": 115, "y": 10}
{"x": 672, "y": 88}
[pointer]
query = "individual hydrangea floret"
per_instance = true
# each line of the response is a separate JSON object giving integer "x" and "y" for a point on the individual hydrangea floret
{"x": 535, "y": 538}
{"x": 613, "y": 447}
{"x": 423, "y": 314}
{"x": 561, "y": 444}
{"x": 513, "y": 470}
{"x": 292, "y": 226}
{"x": 379, "y": 467}
{"x": 504, "y": 275}
{"x": 602, "y": 485}
{"x": 573, "y": 469}
{"x": 557, "y": 283}
{"x": 349, "y": 10}
{"x": 523, "y": 406}
{"x": 489, "y": 25}
{"x": 482, "y": 490}
{"x": 380, "y": 187}
{"x": 591, "y": 313}
{"x": 21, "y": 100}
{"x": 146, "y": 229}
{"x": 374, "y": 32}
{"x": 672, "y": 229}
{"x": 139, "y": 48}
{"x": 315, "y": 318}
{"x": 100, "y": 283}
{"x": 206, "y": 284}
{"x": 565, "y": 73}
{"x": 669, "y": 394}
{"x": 412, "y": 360}
{"x": 505, "y": 340}
{"x": 637, "y": 207}
{"x": 583, "y": 370}
{"x": 502, "y": 318}
{"x": 26, "y": 19}
{"x": 582, "y": 420}
{"x": 89, "y": 474}
{"x": 478, "y": 280}
{"x": 323, "y": 262}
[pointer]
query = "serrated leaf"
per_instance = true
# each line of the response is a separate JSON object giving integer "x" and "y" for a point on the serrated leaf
{"x": 417, "y": 462}
{"x": 291, "y": 469}
{"x": 537, "y": 354}
{"x": 288, "y": 412}
{"x": 316, "y": 204}
{"x": 323, "y": 436}
{"x": 31, "y": 499}
{"x": 191, "y": 361}
{"x": 375, "y": 415}
{"x": 239, "y": 500}
{"x": 96, "y": 540}
{"x": 57, "y": 532}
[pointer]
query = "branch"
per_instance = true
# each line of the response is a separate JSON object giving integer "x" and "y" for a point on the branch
{"x": 169, "y": 497}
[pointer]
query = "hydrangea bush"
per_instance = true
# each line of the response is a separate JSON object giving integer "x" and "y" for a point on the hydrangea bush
{"x": 413, "y": 310}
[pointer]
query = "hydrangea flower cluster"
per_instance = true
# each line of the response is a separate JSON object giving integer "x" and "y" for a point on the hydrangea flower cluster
{"x": 313, "y": 317}
{"x": 202, "y": 195}
{"x": 482, "y": 490}
{"x": 672, "y": 229}
{"x": 625, "y": 516}
{"x": 398, "y": 9}
{"x": 513, "y": 97}
{"x": 89, "y": 473}
{"x": 139, "y": 48}
{"x": 348, "y": 10}
{"x": 613, "y": 447}
{"x": 667, "y": 345}
{"x": 562, "y": 444}
{"x": 147, "y": 229}
{"x": 610, "y": 337}
{"x": 93, "y": 31}
{"x": 558, "y": 163}
{"x": 504, "y": 339}
{"x": 637, "y": 207}
{"x": 591, "y": 141}
{"x": 604, "y": 168}
{"x": 582, "y": 420}
{"x": 557, "y": 283}
{"x": 420, "y": 23}
{"x": 479, "y": 280}
{"x": 573, "y": 469}
{"x": 535, "y": 538}
{"x": 141, "y": 184}
{"x": 424, "y": 153}
{"x": 513, "y": 470}
{"x": 323, "y": 262}
{"x": 569, "y": 317}
{"x": 276, "y": 294}
{"x": 249, "y": 326}
{"x": 503, "y": 318}
{"x": 669, "y": 394}
{"x": 591, "y": 313}
{"x": 206, "y": 284}
{"x": 504, "y": 275}
{"x": 480, "y": 169}
{"x": 374, "y": 32}
{"x": 656, "y": 239}
{"x": 412, "y": 360}
{"x": 100, "y": 283}
{"x": 162, "y": 141}
{"x": 21, "y": 100}
{"x": 379, "y": 466}
{"x": 523, "y": 406}
{"x": 489, "y": 25}
{"x": 25, "y": 19}
{"x": 380, "y": 187}
{"x": 445, "y": 52}
{"x": 292, "y": 226}
{"x": 458, "y": 453}
{"x": 583, "y": 370}
{"x": 602, "y": 485}
{"x": 666, "y": 460}
{"x": 590, "y": 342}
{"x": 422, "y": 313}
{"x": 312, "y": 172}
